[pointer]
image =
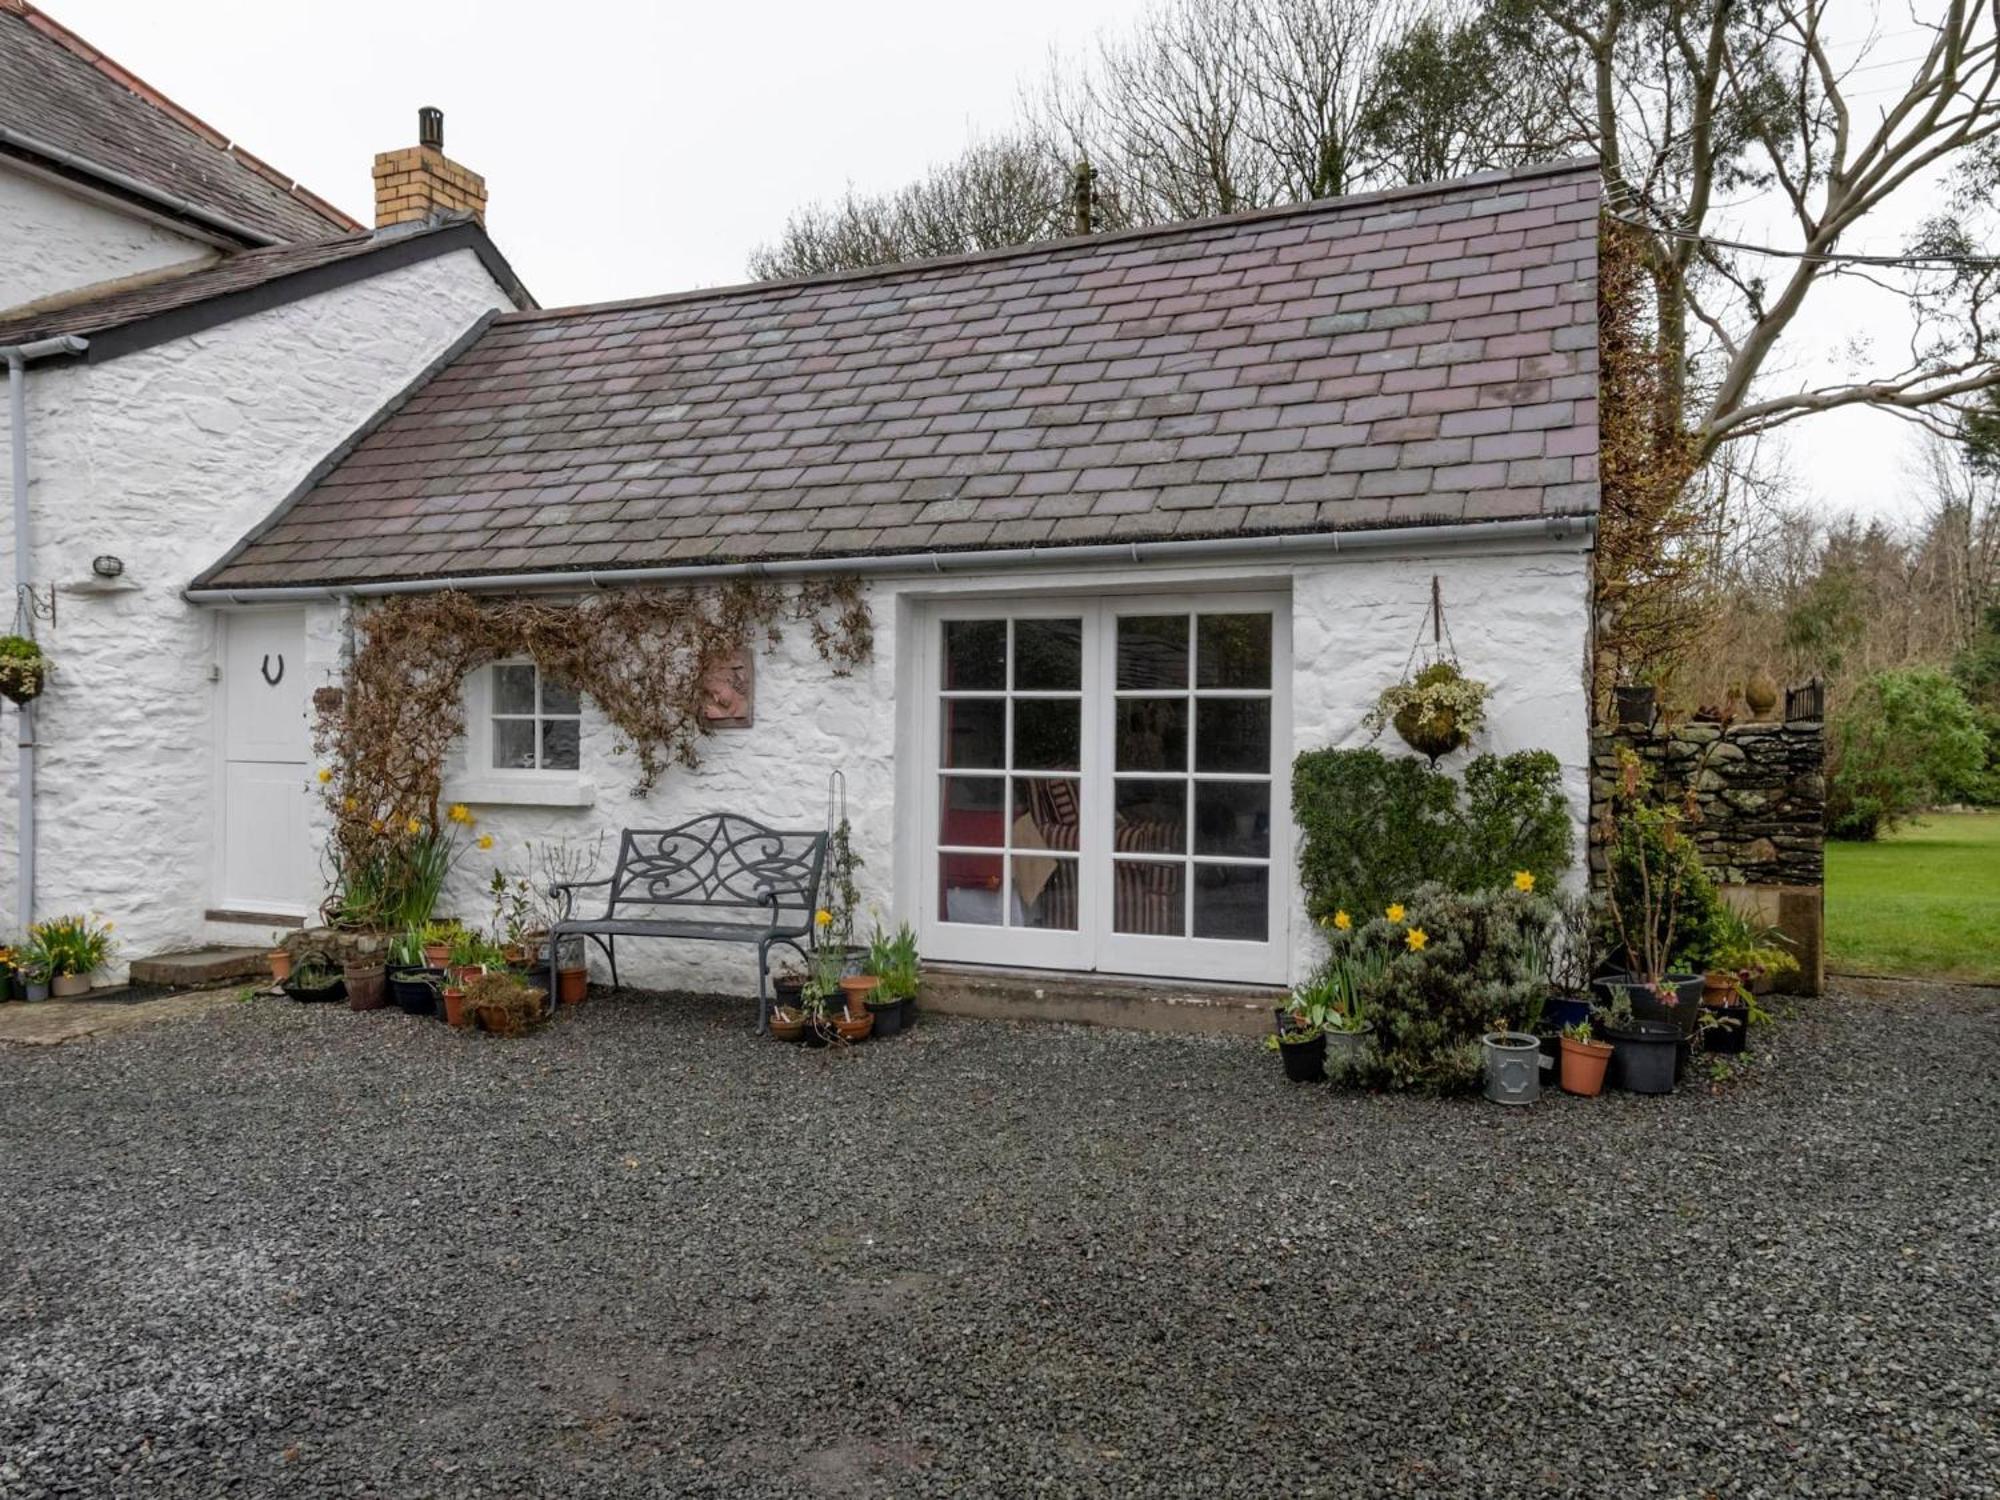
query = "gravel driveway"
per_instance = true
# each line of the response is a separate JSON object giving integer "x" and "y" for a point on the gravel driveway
{"x": 280, "y": 1250}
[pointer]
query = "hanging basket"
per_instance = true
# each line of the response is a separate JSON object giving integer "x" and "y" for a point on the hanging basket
{"x": 1427, "y": 724}
{"x": 22, "y": 677}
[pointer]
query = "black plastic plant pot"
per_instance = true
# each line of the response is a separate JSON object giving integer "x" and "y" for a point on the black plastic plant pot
{"x": 320, "y": 994}
{"x": 908, "y": 1006}
{"x": 1685, "y": 1012}
{"x": 1635, "y": 706}
{"x": 888, "y": 1018}
{"x": 1728, "y": 1029}
{"x": 1645, "y": 1056}
{"x": 415, "y": 989}
{"x": 1305, "y": 1062}
{"x": 1565, "y": 1010}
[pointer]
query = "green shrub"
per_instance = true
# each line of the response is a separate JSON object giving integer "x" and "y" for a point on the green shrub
{"x": 1903, "y": 740}
{"x": 1375, "y": 827}
{"x": 1453, "y": 964}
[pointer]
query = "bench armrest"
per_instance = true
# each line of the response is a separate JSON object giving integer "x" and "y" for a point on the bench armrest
{"x": 566, "y": 893}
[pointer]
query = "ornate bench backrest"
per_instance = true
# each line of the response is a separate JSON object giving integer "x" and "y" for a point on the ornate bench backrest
{"x": 718, "y": 860}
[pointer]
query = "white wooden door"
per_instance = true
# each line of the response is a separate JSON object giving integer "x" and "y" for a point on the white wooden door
{"x": 1103, "y": 785}
{"x": 267, "y": 862}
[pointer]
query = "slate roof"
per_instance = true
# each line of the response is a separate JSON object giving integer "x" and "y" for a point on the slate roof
{"x": 244, "y": 283}
{"x": 1421, "y": 355}
{"x": 56, "y": 90}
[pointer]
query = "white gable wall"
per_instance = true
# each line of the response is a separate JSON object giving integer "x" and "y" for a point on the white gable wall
{"x": 164, "y": 458}
{"x": 53, "y": 240}
{"x": 1519, "y": 618}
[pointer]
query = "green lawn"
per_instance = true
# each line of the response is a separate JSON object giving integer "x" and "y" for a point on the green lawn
{"x": 1923, "y": 901}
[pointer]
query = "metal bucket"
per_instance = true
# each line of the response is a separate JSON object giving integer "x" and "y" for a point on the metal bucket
{"x": 1513, "y": 1067}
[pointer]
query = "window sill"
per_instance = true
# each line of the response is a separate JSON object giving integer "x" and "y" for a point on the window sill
{"x": 493, "y": 791}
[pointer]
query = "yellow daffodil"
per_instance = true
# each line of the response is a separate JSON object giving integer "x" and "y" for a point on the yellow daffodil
{"x": 375, "y": 824}
{"x": 823, "y": 918}
{"x": 1523, "y": 880}
{"x": 1342, "y": 920}
{"x": 324, "y": 775}
{"x": 414, "y": 826}
{"x": 1416, "y": 937}
{"x": 348, "y": 804}
{"x": 1395, "y": 911}
{"x": 485, "y": 841}
{"x": 460, "y": 813}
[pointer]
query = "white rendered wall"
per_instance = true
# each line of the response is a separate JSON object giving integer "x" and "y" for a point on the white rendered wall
{"x": 1519, "y": 620}
{"x": 56, "y": 241}
{"x": 165, "y": 458}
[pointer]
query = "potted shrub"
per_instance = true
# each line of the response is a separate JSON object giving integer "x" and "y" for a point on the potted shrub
{"x": 1584, "y": 1060}
{"x": 505, "y": 1004}
{"x": 437, "y": 941}
{"x": 454, "y": 1004}
{"x": 1337, "y": 993}
{"x": 314, "y": 981}
{"x": 1300, "y": 1038}
{"x": 75, "y": 947}
{"x": 23, "y": 669}
{"x": 279, "y": 958}
{"x": 821, "y": 990}
{"x": 894, "y": 963}
{"x": 412, "y": 983}
{"x": 841, "y": 897}
{"x": 1513, "y": 1065}
{"x": 572, "y": 971}
{"x": 1743, "y": 956}
{"x": 1659, "y": 905}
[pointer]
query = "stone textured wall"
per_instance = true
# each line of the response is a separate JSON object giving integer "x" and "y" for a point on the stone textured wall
{"x": 1761, "y": 789}
{"x": 53, "y": 241}
{"x": 165, "y": 457}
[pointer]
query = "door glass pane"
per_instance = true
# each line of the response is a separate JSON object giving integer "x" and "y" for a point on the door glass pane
{"x": 1232, "y": 734}
{"x": 1233, "y": 817}
{"x": 1233, "y": 651}
{"x": 1048, "y": 734}
{"x": 1045, "y": 892}
{"x": 1150, "y": 817}
{"x": 1152, "y": 651}
{"x": 514, "y": 689}
{"x": 557, "y": 699}
{"x": 1045, "y": 813}
{"x": 1152, "y": 734}
{"x": 1048, "y": 654}
{"x": 970, "y": 811}
{"x": 975, "y": 655}
{"x": 1148, "y": 899}
{"x": 1232, "y": 902}
{"x": 975, "y": 732}
{"x": 559, "y": 737}
{"x": 514, "y": 744}
{"x": 969, "y": 888}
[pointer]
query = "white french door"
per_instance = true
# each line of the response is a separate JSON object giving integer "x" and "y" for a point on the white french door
{"x": 1103, "y": 785}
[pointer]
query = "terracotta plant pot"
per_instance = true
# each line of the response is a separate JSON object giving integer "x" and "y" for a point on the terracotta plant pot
{"x": 786, "y": 1025}
{"x": 437, "y": 955}
{"x": 454, "y": 1006}
{"x": 1583, "y": 1065}
{"x": 856, "y": 989}
{"x": 281, "y": 965}
{"x": 366, "y": 986}
{"x": 1718, "y": 988}
{"x": 69, "y": 986}
{"x": 853, "y": 1029}
{"x": 572, "y": 986}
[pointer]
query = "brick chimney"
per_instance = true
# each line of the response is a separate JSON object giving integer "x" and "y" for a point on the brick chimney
{"x": 419, "y": 182}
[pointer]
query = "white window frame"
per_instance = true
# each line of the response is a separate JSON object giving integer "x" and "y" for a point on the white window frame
{"x": 1093, "y": 946}
{"x": 480, "y": 782}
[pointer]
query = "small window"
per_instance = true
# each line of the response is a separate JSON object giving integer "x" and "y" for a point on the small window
{"x": 537, "y": 723}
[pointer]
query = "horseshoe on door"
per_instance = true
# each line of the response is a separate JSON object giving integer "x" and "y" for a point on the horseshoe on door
{"x": 265, "y": 669}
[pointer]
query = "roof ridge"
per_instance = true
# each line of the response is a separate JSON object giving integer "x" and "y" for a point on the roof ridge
{"x": 133, "y": 84}
{"x": 895, "y": 269}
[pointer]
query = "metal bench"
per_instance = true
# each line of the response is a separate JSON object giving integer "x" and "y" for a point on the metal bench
{"x": 716, "y": 879}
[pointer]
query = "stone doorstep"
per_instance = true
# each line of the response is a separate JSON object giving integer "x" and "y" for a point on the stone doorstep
{"x": 202, "y": 968}
{"x": 1092, "y": 1000}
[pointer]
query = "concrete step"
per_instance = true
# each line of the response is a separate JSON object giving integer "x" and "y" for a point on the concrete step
{"x": 1095, "y": 1000}
{"x": 200, "y": 968}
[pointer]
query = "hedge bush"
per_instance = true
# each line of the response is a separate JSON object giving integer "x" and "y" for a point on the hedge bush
{"x": 1374, "y": 827}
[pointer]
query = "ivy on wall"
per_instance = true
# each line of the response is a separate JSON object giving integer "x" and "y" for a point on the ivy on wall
{"x": 640, "y": 655}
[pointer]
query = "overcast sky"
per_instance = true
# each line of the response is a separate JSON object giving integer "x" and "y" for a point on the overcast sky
{"x": 633, "y": 148}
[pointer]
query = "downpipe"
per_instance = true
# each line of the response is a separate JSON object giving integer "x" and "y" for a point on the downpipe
{"x": 18, "y": 357}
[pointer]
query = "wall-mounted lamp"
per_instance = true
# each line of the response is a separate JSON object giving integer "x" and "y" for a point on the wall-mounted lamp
{"x": 107, "y": 566}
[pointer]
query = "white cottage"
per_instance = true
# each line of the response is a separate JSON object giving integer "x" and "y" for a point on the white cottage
{"x": 1137, "y": 517}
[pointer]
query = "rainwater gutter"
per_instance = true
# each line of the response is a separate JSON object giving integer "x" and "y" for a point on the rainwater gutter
{"x": 19, "y": 357}
{"x": 1577, "y": 530}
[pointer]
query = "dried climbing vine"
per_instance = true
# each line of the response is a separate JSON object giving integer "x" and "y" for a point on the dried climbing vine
{"x": 642, "y": 657}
